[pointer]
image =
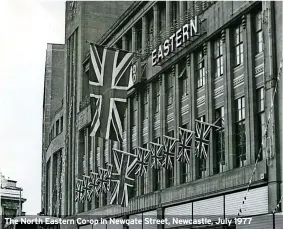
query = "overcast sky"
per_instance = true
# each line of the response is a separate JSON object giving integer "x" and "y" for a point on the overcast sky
{"x": 26, "y": 28}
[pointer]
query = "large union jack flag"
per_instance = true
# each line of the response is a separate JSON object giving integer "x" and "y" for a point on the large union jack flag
{"x": 94, "y": 183}
{"x": 185, "y": 145}
{"x": 142, "y": 160}
{"x": 156, "y": 151}
{"x": 88, "y": 188}
{"x": 169, "y": 151}
{"x": 110, "y": 76}
{"x": 122, "y": 179}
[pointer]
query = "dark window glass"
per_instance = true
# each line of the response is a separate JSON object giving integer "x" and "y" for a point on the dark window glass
{"x": 260, "y": 119}
{"x": 200, "y": 70}
{"x": 220, "y": 139}
{"x": 218, "y": 58}
{"x": 238, "y": 45}
{"x": 259, "y": 38}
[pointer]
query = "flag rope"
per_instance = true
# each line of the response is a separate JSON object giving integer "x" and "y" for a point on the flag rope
{"x": 262, "y": 141}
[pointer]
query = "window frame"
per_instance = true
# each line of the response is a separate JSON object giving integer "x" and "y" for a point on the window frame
{"x": 238, "y": 45}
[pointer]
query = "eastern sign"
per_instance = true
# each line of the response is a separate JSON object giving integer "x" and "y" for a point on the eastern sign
{"x": 181, "y": 36}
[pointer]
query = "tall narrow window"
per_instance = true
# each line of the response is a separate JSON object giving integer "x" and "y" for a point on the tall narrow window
{"x": 218, "y": 58}
{"x": 156, "y": 174}
{"x": 259, "y": 38}
{"x": 61, "y": 123}
{"x": 201, "y": 162}
{"x": 200, "y": 70}
{"x": 260, "y": 118}
{"x": 183, "y": 82}
{"x": 144, "y": 179}
{"x": 170, "y": 172}
{"x": 145, "y": 104}
{"x": 169, "y": 89}
{"x": 240, "y": 132}
{"x": 157, "y": 97}
{"x": 220, "y": 140}
{"x": 238, "y": 45}
{"x": 57, "y": 127}
{"x": 184, "y": 167}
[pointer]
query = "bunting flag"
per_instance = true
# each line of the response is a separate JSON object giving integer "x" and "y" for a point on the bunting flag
{"x": 185, "y": 145}
{"x": 94, "y": 183}
{"x": 202, "y": 136}
{"x": 142, "y": 160}
{"x": 122, "y": 176}
{"x": 79, "y": 192}
{"x": 110, "y": 77}
{"x": 87, "y": 188}
{"x": 169, "y": 151}
{"x": 103, "y": 179}
{"x": 156, "y": 151}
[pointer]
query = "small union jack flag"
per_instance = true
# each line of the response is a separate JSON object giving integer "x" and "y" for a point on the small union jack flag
{"x": 103, "y": 179}
{"x": 93, "y": 183}
{"x": 79, "y": 192}
{"x": 156, "y": 151}
{"x": 142, "y": 160}
{"x": 169, "y": 151}
{"x": 185, "y": 145}
{"x": 122, "y": 177}
{"x": 202, "y": 135}
{"x": 87, "y": 187}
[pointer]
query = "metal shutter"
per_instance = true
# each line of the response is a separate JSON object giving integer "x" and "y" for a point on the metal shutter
{"x": 114, "y": 226}
{"x": 135, "y": 226}
{"x": 149, "y": 215}
{"x": 279, "y": 220}
{"x": 256, "y": 202}
{"x": 89, "y": 226}
{"x": 257, "y": 222}
{"x": 182, "y": 212}
{"x": 212, "y": 208}
{"x": 99, "y": 226}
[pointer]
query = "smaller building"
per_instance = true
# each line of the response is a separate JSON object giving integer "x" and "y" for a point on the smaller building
{"x": 11, "y": 199}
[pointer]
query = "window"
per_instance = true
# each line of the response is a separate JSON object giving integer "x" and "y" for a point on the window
{"x": 157, "y": 98}
{"x": 183, "y": 82}
{"x": 169, "y": 89}
{"x": 238, "y": 45}
{"x": 220, "y": 140}
{"x": 259, "y": 38}
{"x": 240, "y": 132}
{"x": 156, "y": 174}
{"x": 144, "y": 179}
{"x": 260, "y": 119}
{"x": 57, "y": 127}
{"x": 184, "y": 167}
{"x": 104, "y": 199}
{"x": 61, "y": 121}
{"x": 200, "y": 70}
{"x": 218, "y": 58}
{"x": 170, "y": 172}
{"x": 145, "y": 104}
{"x": 200, "y": 162}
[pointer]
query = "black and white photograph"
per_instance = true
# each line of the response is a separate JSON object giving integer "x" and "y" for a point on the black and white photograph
{"x": 141, "y": 114}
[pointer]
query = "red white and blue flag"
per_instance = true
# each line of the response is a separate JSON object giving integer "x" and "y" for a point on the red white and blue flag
{"x": 156, "y": 151}
{"x": 122, "y": 179}
{"x": 142, "y": 160}
{"x": 185, "y": 145}
{"x": 103, "y": 179}
{"x": 109, "y": 80}
{"x": 169, "y": 151}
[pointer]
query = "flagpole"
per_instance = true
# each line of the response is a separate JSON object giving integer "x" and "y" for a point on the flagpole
{"x": 120, "y": 151}
{"x": 115, "y": 49}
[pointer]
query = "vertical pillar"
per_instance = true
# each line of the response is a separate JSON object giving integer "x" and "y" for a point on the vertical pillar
{"x": 193, "y": 99}
{"x": 162, "y": 122}
{"x": 168, "y": 17}
{"x": 50, "y": 204}
{"x": 150, "y": 130}
{"x": 144, "y": 34}
{"x": 177, "y": 112}
{"x": 230, "y": 158}
{"x": 182, "y": 5}
{"x": 134, "y": 39}
{"x": 156, "y": 24}
{"x": 124, "y": 42}
{"x": 210, "y": 107}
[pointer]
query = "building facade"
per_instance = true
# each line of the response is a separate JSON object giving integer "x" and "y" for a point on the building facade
{"x": 53, "y": 138}
{"x": 228, "y": 69}
{"x": 11, "y": 200}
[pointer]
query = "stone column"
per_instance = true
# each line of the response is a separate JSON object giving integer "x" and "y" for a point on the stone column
{"x": 124, "y": 42}
{"x": 144, "y": 34}
{"x": 150, "y": 131}
{"x": 134, "y": 39}
{"x": 182, "y": 12}
{"x": 156, "y": 24}
{"x": 168, "y": 17}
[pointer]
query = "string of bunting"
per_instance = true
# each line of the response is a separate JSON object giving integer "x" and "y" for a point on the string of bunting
{"x": 262, "y": 142}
